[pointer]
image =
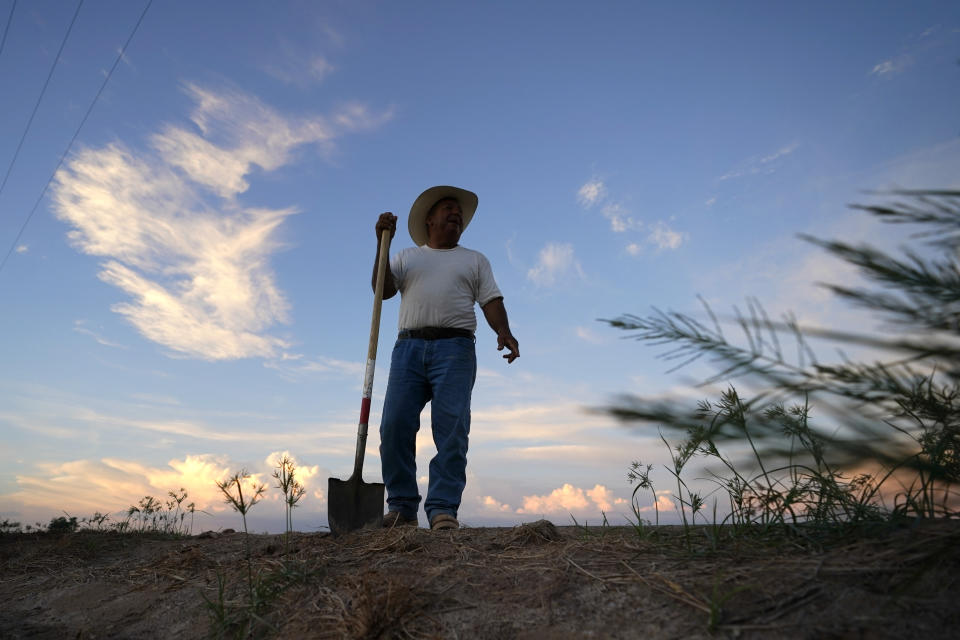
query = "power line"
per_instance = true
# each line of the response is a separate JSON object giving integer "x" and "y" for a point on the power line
{"x": 6, "y": 29}
{"x": 76, "y": 134}
{"x": 42, "y": 92}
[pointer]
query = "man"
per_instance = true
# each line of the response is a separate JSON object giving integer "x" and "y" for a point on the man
{"x": 434, "y": 359}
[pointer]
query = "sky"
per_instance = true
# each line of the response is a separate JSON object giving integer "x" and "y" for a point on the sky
{"x": 187, "y": 285}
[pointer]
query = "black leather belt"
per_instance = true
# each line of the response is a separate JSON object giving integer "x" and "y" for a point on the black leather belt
{"x": 434, "y": 333}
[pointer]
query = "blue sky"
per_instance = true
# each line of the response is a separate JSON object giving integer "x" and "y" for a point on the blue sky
{"x": 191, "y": 297}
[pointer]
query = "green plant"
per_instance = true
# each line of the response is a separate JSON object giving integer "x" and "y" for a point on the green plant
{"x": 177, "y": 512}
{"x": 223, "y": 619}
{"x": 717, "y": 601}
{"x": 585, "y": 527}
{"x": 639, "y": 475}
{"x": 97, "y": 521}
{"x": 232, "y": 489}
{"x": 899, "y": 416}
{"x": 285, "y": 475}
{"x": 63, "y": 524}
{"x": 9, "y": 526}
{"x": 153, "y": 516}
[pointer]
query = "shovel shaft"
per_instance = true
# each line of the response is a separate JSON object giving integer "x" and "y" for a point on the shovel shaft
{"x": 382, "y": 261}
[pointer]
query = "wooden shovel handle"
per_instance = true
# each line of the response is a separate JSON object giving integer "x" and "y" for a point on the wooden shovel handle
{"x": 382, "y": 261}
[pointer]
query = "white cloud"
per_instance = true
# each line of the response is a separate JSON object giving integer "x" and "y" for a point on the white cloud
{"x": 79, "y": 327}
{"x": 595, "y": 192}
{"x": 663, "y": 505}
{"x": 591, "y": 193}
{"x": 22, "y": 248}
{"x": 110, "y": 485}
{"x": 489, "y": 503}
{"x": 307, "y": 476}
{"x": 620, "y": 219}
{"x": 604, "y": 498}
{"x": 300, "y": 71}
{"x": 197, "y": 272}
{"x": 763, "y": 165}
{"x": 84, "y": 486}
{"x": 296, "y": 364}
{"x": 570, "y": 499}
{"x": 556, "y": 262}
{"x": 664, "y": 237}
{"x": 193, "y": 429}
{"x": 553, "y": 418}
{"x": 320, "y": 68}
{"x": 784, "y": 151}
{"x": 588, "y": 335}
{"x": 894, "y": 65}
{"x": 661, "y": 236}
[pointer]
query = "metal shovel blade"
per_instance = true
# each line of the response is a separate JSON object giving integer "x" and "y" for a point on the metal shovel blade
{"x": 354, "y": 504}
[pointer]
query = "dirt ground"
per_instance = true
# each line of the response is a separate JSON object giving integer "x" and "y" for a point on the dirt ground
{"x": 531, "y": 581}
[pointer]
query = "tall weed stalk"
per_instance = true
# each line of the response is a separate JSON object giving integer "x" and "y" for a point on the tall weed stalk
{"x": 232, "y": 489}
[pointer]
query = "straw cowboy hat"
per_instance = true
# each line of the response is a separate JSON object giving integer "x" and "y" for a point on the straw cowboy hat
{"x": 417, "y": 221}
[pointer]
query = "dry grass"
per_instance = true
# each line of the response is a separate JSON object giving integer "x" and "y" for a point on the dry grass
{"x": 536, "y": 580}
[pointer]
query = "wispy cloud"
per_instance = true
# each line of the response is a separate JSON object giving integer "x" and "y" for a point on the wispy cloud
{"x": 892, "y": 66}
{"x": 556, "y": 262}
{"x": 760, "y": 165}
{"x": 191, "y": 429}
{"x": 79, "y": 327}
{"x": 193, "y": 260}
{"x": 298, "y": 364}
{"x": 301, "y": 71}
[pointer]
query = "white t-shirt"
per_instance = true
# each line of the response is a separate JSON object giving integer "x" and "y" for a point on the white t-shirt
{"x": 438, "y": 287}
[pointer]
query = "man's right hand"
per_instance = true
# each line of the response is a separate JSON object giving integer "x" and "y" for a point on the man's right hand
{"x": 386, "y": 221}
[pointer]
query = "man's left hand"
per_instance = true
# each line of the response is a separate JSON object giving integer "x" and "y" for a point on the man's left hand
{"x": 507, "y": 340}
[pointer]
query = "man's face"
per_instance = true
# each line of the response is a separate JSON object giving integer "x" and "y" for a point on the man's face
{"x": 445, "y": 219}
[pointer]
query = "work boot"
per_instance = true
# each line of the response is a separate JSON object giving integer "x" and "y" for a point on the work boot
{"x": 443, "y": 521}
{"x": 397, "y": 519}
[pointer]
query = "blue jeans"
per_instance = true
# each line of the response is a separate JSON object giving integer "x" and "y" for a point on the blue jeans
{"x": 438, "y": 371}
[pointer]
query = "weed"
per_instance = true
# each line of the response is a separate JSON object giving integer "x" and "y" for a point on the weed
{"x": 232, "y": 489}
{"x": 585, "y": 530}
{"x": 900, "y": 416}
{"x": 63, "y": 524}
{"x": 9, "y": 526}
{"x": 641, "y": 476}
{"x": 150, "y": 515}
{"x": 285, "y": 475}
{"x": 716, "y": 603}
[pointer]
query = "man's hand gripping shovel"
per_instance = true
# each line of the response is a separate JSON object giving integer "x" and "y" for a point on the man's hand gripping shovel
{"x": 354, "y": 504}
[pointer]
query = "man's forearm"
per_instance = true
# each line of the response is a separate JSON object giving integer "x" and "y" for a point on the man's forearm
{"x": 496, "y": 315}
{"x": 389, "y": 288}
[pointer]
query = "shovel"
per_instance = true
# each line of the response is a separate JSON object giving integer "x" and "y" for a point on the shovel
{"x": 354, "y": 504}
